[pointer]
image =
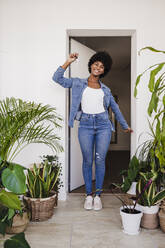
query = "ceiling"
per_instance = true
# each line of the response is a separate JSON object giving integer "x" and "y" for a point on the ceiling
{"x": 118, "y": 47}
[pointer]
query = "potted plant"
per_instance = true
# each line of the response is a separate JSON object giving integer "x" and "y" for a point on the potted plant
{"x": 150, "y": 200}
{"x": 131, "y": 175}
{"x": 131, "y": 215}
{"x": 15, "y": 221}
{"x": 13, "y": 180}
{"x": 156, "y": 110}
{"x": 10, "y": 204}
{"x": 21, "y": 123}
{"x": 131, "y": 218}
{"x": 41, "y": 196}
{"x": 156, "y": 107}
{"x": 53, "y": 160}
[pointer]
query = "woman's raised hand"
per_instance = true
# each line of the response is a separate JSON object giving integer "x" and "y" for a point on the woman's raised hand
{"x": 72, "y": 57}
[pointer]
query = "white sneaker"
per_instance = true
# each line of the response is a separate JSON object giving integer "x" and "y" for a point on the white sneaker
{"x": 88, "y": 204}
{"x": 97, "y": 203}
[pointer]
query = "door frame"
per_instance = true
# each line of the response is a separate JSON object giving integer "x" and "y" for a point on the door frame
{"x": 71, "y": 33}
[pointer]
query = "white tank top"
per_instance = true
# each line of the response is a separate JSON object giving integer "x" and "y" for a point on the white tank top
{"x": 92, "y": 101}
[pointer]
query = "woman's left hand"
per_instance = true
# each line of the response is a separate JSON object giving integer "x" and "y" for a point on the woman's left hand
{"x": 128, "y": 130}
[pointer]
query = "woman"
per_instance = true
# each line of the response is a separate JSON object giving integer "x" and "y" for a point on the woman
{"x": 91, "y": 100}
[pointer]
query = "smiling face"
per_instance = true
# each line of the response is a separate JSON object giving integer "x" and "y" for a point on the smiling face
{"x": 97, "y": 68}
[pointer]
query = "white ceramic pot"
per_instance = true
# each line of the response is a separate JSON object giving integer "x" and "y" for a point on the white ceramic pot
{"x": 148, "y": 210}
{"x": 132, "y": 189}
{"x": 131, "y": 222}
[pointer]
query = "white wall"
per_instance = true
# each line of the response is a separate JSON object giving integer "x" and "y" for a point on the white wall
{"x": 33, "y": 45}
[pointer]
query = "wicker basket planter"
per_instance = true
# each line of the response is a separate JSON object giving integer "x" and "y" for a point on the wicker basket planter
{"x": 19, "y": 224}
{"x": 161, "y": 215}
{"x": 41, "y": 208}
{"x": 56, "y": 200}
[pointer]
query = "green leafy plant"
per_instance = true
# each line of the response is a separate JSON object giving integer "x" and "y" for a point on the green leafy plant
{"x": 41, "y": 180}
{"x": 132, "y": 209}
{"x": 23, "y": 123}
{"x": 10, "y": 203}
{"x": 152, "y": 195}
{"x": 16, "y": 241}
{"x": 153, "y": 151}
{"x": 156, "y": 107}
{"x": 131, "y": 174}
{"x": 53, "y": 160}
{"x": 13, "y": 179}
{"x": 7, "y": 215}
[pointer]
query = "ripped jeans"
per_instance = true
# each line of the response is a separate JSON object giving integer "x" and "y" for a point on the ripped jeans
{"x": 94, "y": 136}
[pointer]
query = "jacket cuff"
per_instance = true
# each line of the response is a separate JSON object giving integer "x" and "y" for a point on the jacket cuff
{"x": 125, "y": 126}
{"x": 60, "y": 68}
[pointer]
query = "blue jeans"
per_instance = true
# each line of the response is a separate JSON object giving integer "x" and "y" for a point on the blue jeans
{"x": 94, "y": 137}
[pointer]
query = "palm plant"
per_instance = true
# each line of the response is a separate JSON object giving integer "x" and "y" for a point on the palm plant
{"x": 22, "y": 123}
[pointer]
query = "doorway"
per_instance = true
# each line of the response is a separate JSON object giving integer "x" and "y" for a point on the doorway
{"x": 119, "y": 81}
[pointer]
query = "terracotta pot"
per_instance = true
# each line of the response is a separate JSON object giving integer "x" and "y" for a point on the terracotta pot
{"x": 19, "y": 224}
{"x": 150, "y": 216}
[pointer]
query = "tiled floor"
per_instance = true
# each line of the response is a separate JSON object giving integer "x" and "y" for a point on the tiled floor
{"x": 74, "y": 227}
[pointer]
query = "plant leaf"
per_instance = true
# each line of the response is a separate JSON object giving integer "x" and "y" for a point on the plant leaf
{"x": 14, "y": 179}
{"x": 152, "y": 76}
{"x": 17, "y": 241}
{"x": 3, "y": 226}
{"x": 136, "y": 84}
{"x": 151, "y": 49}
{"x": 11, "y": 213}
{"x": 10, "y": 200}
{"x": 164, "y": 100}
{"x": 159, "y": 197}
{"x": 153, "y": 103}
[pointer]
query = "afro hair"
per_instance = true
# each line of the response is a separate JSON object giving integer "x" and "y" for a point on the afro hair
{"x": 103, "y": 57}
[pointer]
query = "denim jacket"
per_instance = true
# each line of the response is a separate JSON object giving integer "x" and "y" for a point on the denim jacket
{"x": 78, "y": 85}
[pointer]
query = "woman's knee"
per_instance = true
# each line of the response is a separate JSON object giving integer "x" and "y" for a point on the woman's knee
{"x": 99, "y": 159}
